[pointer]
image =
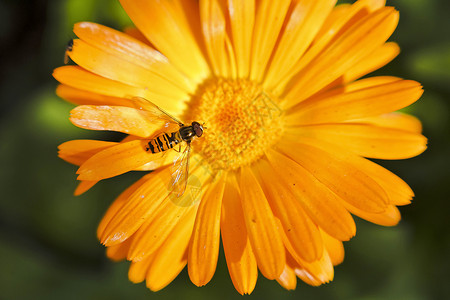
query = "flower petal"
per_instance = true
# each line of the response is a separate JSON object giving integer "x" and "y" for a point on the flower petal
{"x": 118, "y": 252}
{"x": 399, "y": 193}
{"x": 390, "y": 217}
{"x": 161, "y": 221}
{"x": 368, "y": 140}
{"x": 130, "y": 50}
{"x": 334, "y": 247}
{"x": 138, "y": 269}
{"x": 204, "y": 246}
{"x": 262, "y": 228}
{"x": 302, "y": 233}
{"x": 83, "y": 187}
{"x": 288, "y": 279}
{"x": 269, "y": 18}
{"x": 133, "y": 207}
{"x": 130, "y": 73}
{"x": 358, "y": 41}
{"x": 171, "y": 257}
{"x": 395, "y": 120}
{"x": 79, "y": 78}
{"x": 116, "y": 118}
{"x": 344, "y": 16}
{"x": 118, "y": 204}
{"x": 242, "y": 18}
{"x": 81, "y": 97}
{"x": 240, "y": 259}
{"x": 322, "y": 205}
{"x": 360, "y": 103}
{"x": 151, "y": 235}
{"x": 316, "y": 272}
{"x": 78, "y": 151}
{"x": 342, "y": 177}
{"x": 137, "y": 34}
{"x": 214, "y": 30}
{"x": 374, "y": 61}
{"x": 167, "y": 25}
{"x": 302, "y": 24}
{"x": 117, "y": 160}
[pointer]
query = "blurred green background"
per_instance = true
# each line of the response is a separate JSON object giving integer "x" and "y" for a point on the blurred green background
{"x": 48, "y": 248}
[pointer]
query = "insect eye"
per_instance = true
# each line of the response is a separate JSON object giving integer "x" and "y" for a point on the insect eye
{"x": 198, "y": 129}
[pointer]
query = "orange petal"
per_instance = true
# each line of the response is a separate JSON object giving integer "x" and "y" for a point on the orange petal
{"x": 262, "y": 228}
{"x": 395, "y": 120}
{"x": 399, "y": 193}
{"x": 83, "y": 187}
{"x": 344, "y": 16}
{"x": 165, "y": 159}
{"x": 81, "y": 97}
{"x": 118, "y": 252}
{"x": 171, "y": 258}
{"x": 342, "y": 177}
{"x": 338, "y": 23}
{"x": 125, "y": 219}
{"x": 131, "y": 73}
{"x": 302, "y": 233}
{"x": 116, "y": 118}
{"x": 334, "y": 247}
{"x": 373, "y": 4}
{"x": 161, "y": 220}
{"x": 361, "y": 103}
{"x": 315, "y": 273}
{"x": 357, "y": 42}
{"x": 240, "y": 259}
{"x": 339, "y": 16}
{"x": 138, "y": 269}
{"x": 117, "y": 160}
{"x": 150, "y": 236}
{"x": 155, "y": 230}
{"x": 119, "y": 203}
{"x": 214, "y": 30}
{"x": 137, "y": 34}
{"x": 390, "y": 217}
{"x": 268, "y": 21}
{"x": 130, "y": 50}
{"x": 372, "y": 62}
{"x": 302, "y": 24}
{"x": 322, "y": 206}
{"x": 287, "y": 279}
{"x": 167, "y": 25}
{"x": 242, "y": 18}
{"x": 368, "y": 140}
{"x": 78, "y": 151}
{"x": 204, "y": 246}
{"x": 77, "y": 77}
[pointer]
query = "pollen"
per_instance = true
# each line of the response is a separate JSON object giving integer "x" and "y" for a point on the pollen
{"x": 241, "y": 119}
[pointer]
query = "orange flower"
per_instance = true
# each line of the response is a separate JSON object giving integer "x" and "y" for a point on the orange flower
{"x": 283, "y": 162}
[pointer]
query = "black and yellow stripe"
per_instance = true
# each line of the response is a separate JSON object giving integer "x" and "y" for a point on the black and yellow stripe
{"x": 164, "y": 142}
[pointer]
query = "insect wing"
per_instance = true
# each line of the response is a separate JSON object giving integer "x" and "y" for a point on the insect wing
{"x": 180, "y": 172}
{"x": 155, "y": 112}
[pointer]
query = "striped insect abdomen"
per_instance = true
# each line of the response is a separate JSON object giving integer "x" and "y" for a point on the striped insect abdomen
{"x": 164, "y": 142}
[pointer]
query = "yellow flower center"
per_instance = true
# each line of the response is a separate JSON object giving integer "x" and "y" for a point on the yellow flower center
{"x": 241, "y": 120}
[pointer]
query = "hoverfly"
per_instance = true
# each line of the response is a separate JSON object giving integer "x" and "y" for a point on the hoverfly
{"x": 177, "y": 133}
{"x": 69, "y": 48}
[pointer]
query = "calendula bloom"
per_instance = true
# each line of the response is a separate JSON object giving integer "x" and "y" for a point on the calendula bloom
{"x": 284, "y": 161}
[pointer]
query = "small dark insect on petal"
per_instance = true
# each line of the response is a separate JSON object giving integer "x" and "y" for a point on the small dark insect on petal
{"x": 69, "y": 48}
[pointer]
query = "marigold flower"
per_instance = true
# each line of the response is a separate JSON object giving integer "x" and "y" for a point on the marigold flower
{"x": 283, "y": 162}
